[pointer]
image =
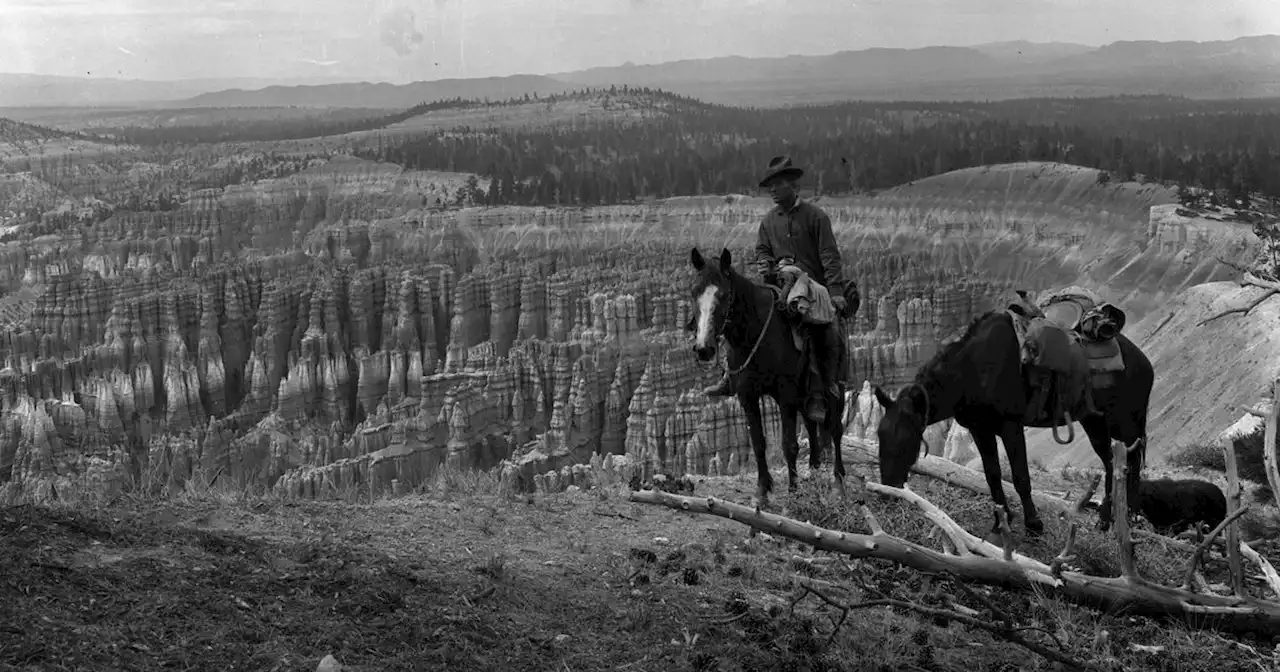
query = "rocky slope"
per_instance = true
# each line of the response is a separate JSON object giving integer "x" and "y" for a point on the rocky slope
{"x": 315, "y": 332}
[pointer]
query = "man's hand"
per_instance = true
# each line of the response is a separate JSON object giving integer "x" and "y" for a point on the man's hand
{"x": 839, "y": 303}
{"x": 768, "y": 272}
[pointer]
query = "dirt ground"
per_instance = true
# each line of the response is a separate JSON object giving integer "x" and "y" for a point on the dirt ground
{"x": 460, "y": 579}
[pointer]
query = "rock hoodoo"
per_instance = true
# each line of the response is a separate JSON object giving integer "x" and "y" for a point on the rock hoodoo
{"x": 293, "y": 335}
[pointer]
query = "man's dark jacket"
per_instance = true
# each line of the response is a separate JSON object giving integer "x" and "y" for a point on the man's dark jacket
{"x": 793, "y": 233}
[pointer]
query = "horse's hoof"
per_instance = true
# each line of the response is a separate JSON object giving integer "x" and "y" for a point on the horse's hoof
{"x": 1104, "y": 525}
{"x": 1035, "y": 527}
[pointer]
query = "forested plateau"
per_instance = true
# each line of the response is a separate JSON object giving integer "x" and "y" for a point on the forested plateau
{"x": 623, "y": 145}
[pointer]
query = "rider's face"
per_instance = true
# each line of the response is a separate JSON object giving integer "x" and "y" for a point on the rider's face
{"x": 782, "y": 190}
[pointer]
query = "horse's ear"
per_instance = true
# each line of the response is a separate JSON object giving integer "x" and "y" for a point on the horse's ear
{"x": 695, "y": 257}
{"x": 883, "y": 397}
{"x": 726, "y": 261}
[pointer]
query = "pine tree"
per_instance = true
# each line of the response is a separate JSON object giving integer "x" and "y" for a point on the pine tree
{"x": 494, "y": 194}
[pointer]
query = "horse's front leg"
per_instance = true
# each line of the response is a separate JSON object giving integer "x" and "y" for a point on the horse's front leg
{"x": 755, "y": 429}
{"x": 989, "y": 450}
{"x": 1015, "y": 446}
{"x": 791, "y": 442}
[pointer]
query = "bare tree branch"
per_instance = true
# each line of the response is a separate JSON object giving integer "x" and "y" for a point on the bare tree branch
{"x": 1194, "y": 562}
{"x": 1007, "y": 632}
{"x": 1268, "y": 571}
{"x": 1250, "y": 280}
{"x": 1068, "y": 552}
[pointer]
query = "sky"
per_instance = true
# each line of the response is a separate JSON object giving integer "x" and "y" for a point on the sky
{"x": 399, "y": 41}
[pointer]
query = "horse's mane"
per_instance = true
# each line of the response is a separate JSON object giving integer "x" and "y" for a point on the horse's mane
{"x": 937, "y": 365}
{"x": 742, "y": 284}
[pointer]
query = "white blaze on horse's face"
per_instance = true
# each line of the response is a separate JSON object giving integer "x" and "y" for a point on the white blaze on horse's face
{"x": 706, "y": 307}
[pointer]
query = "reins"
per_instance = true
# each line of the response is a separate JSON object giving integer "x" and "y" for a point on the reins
{"x": 759, "y": 338}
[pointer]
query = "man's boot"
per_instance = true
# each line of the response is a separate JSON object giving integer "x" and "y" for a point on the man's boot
{"x": 723, "y": 388}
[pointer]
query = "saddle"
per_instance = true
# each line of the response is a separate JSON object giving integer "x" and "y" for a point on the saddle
{"x": 800, "y": 337}
{"x": 1068, "y": 347}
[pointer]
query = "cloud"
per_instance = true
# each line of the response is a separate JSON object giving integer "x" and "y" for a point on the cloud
{"x": 397, "y": 29}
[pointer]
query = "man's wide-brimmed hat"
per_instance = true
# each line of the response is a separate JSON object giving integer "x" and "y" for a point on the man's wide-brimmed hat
{"x": 780, "y": 167}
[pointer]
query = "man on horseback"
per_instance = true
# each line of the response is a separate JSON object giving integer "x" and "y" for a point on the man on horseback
{"x": 799, "y": 234}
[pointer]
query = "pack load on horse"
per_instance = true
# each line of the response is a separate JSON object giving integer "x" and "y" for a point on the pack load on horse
{"x": 1068, "y": 345}
{"x": 785, "y": 338}
{"x": 806, "y": 297}
{"x": 1043, "y": 365}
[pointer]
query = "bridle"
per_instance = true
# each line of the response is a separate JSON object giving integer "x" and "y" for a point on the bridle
{"x": 925, "y": 417}
{"x": 728, "y": 313}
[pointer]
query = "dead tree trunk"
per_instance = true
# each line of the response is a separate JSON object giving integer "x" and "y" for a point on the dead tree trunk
{"x": 1269, "y": 439}
{"x": 1233, "y": 505}
{"x": 977, "y": 561}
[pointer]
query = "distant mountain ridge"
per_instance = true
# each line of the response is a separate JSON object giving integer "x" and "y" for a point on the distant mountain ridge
{"x": 1246, "y": 67}
{"x": 1031, "y": 52}
{"x": 18, "y": 90}
{"x": 382, "y": 94}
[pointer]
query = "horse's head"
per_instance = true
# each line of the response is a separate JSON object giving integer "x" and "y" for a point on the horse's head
{"x": 712, "y": 293}
{"x": 901, "y": 432}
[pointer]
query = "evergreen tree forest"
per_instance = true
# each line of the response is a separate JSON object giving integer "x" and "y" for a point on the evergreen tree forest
{"x": 694, "y": 150}
{"x": 321, "y": 123}
{"x": 684, "y": 147}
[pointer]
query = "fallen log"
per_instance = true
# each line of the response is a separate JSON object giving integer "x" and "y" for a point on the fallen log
{"x": 1128, "y": 593}
{"x": 951, "y": 473}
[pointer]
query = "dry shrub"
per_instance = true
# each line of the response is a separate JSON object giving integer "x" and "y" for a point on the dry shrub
{"x": 1249, "y": 462}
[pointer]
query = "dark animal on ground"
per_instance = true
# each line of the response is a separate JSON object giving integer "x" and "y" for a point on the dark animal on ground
{"x": 978, "y": 379}
{"x": 1175, "y": 505}
{"x": 764, "y": 361}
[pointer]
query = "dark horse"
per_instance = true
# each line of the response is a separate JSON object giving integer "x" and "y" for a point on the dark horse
{"x": 978, "y": 380}
{"x": 764, "y": 361}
